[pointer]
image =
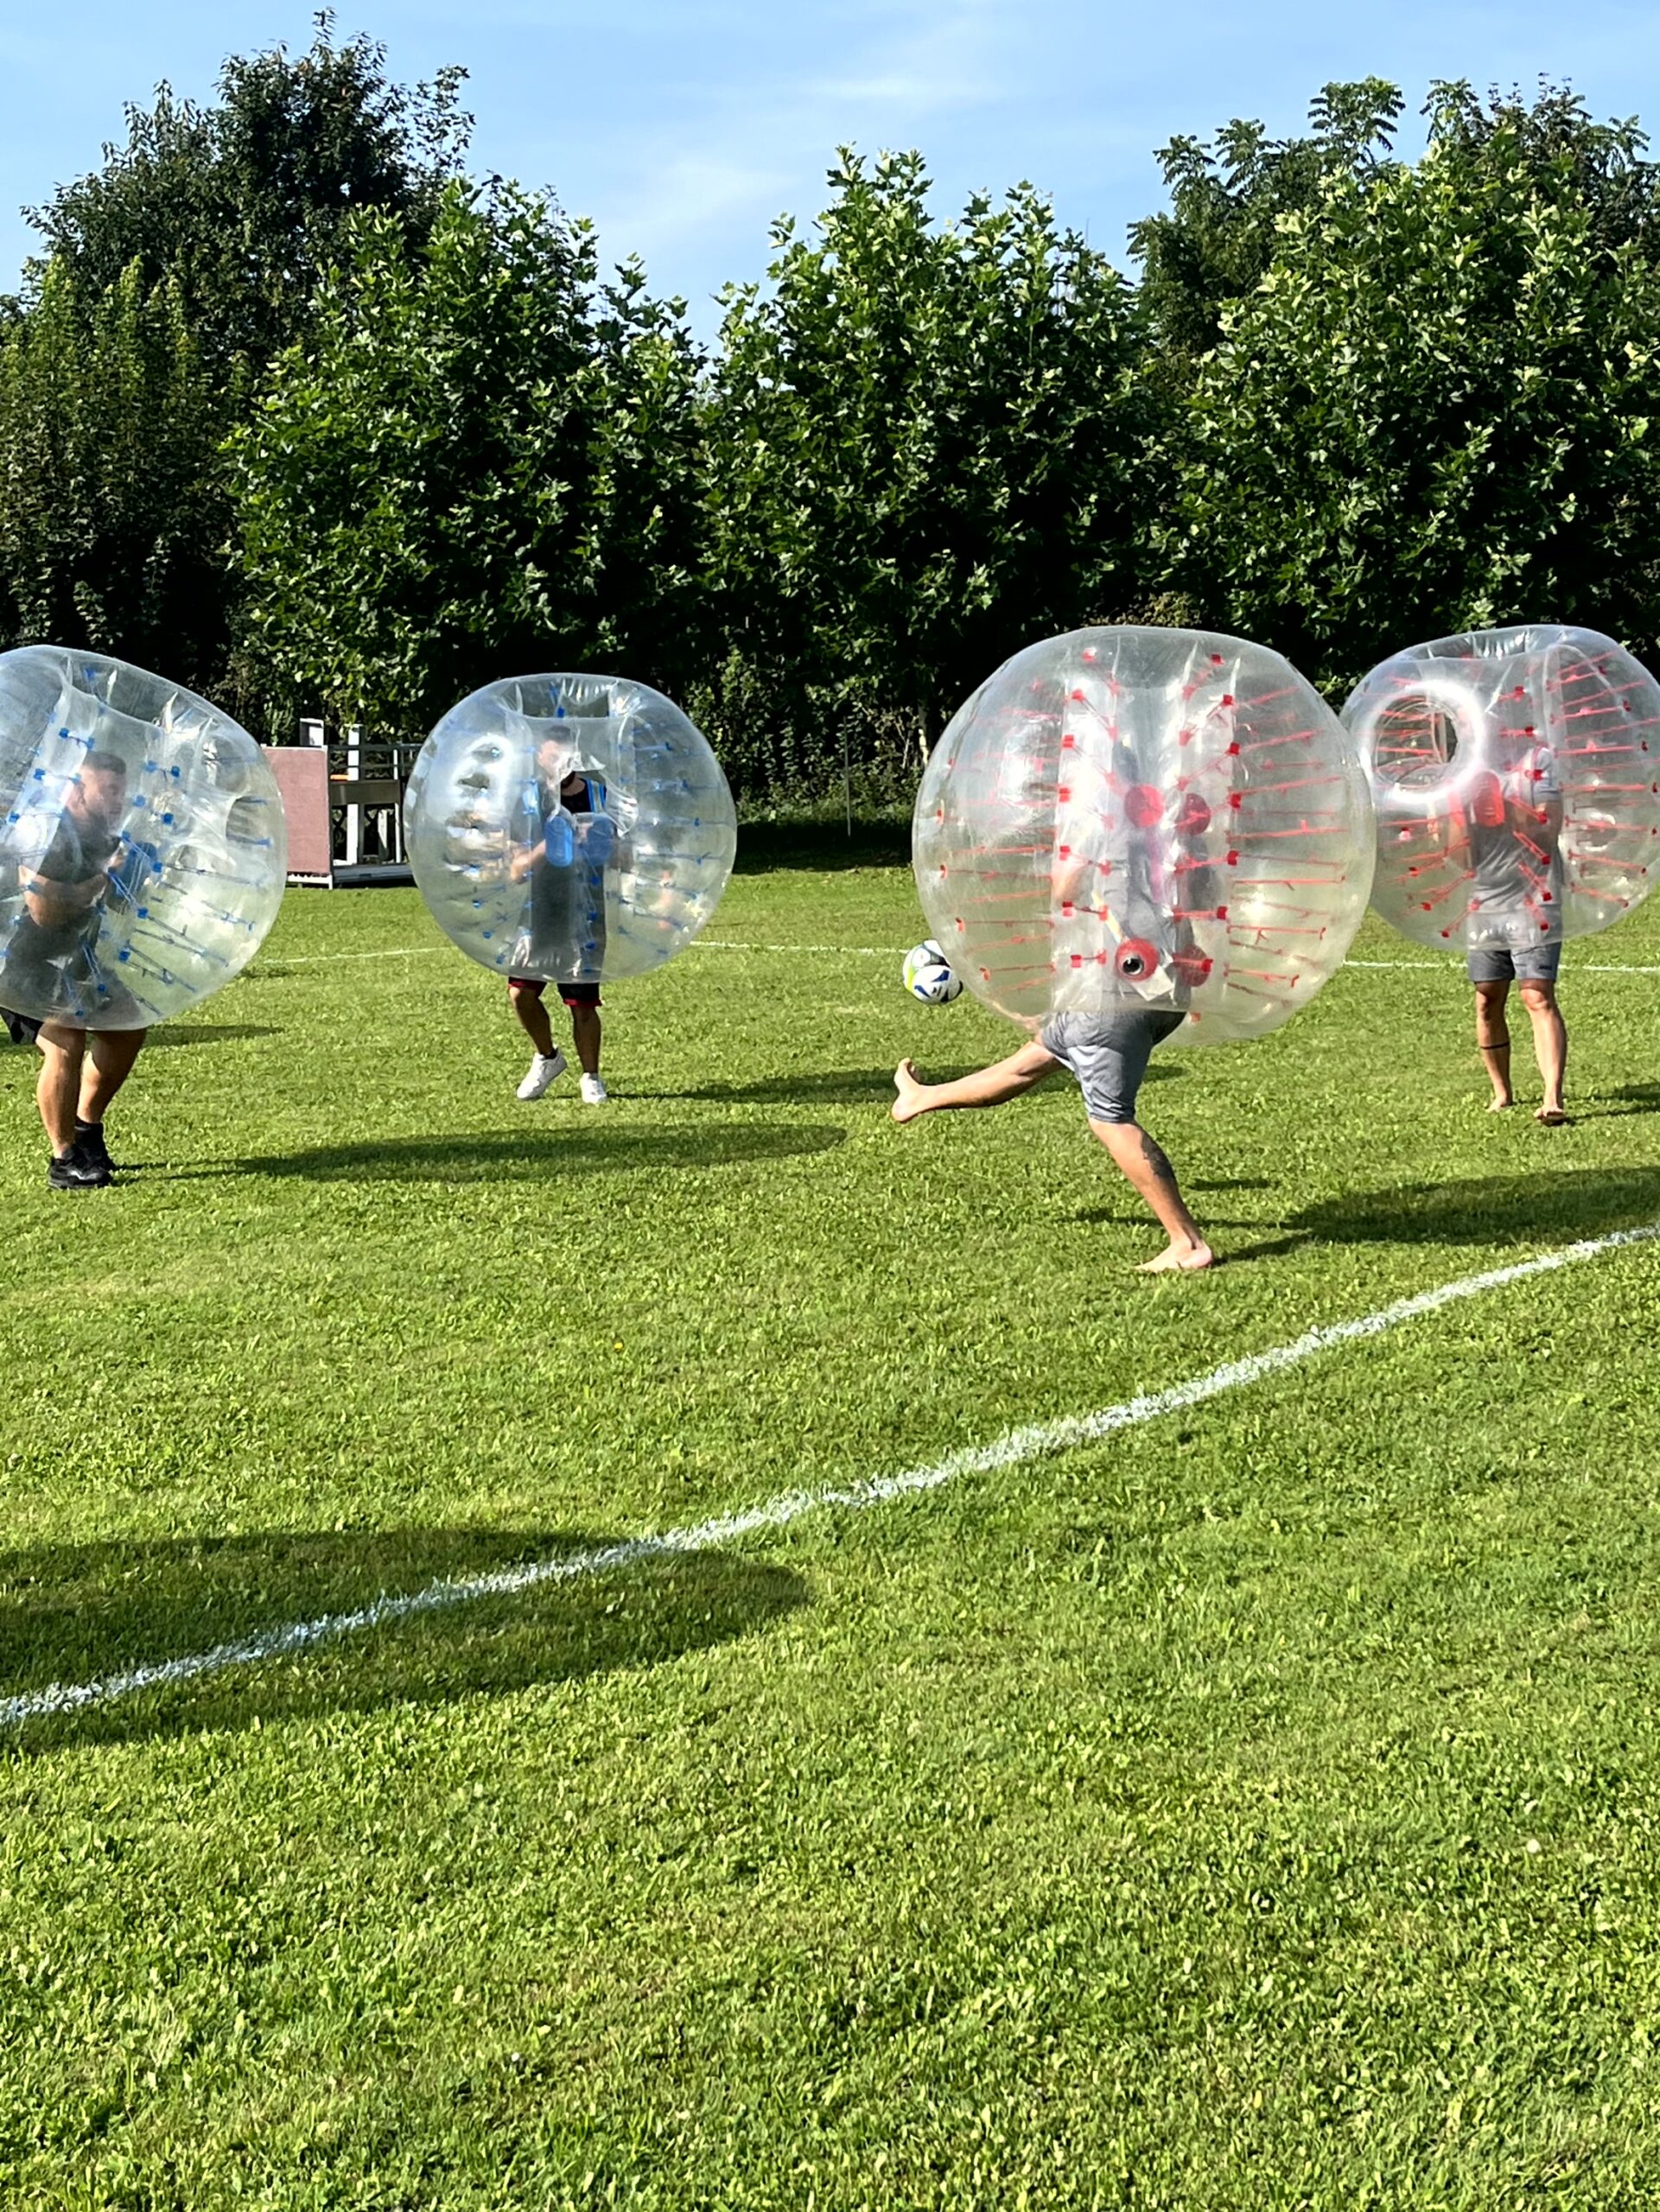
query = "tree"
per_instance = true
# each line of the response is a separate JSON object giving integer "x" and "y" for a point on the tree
{"x": 1438, "y": 408}
{"x": 925, "y": 446}
{"x": 240, "y": 204}
{"x": 480, "y": 462}
{"x": 109, "y": 520}
{"x": 176, "y": 271}
{"x": 1216, "y": 241}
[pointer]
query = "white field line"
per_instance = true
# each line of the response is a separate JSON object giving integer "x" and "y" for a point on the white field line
{"x": 1450, "y": 966}
{"x": 1035, "y": 1441}
{"x": 1453, "y": 966}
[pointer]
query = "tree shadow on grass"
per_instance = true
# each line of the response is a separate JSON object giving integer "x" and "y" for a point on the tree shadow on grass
{"x": 825, "y": 846}
{"x": 79, "y": 1614}
{"x": 544, "y": 1155}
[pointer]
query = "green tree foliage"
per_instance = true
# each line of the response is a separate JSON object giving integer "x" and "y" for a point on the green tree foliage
{"x": 1438, "y": 407}
{"x": 241, "y": 203}
{"x": 173, "y": 273}
{"x": 1215, "y": 241}
{"x": 110, "y": 522}
{"x": 926, "y": 449}
{"x": 480, "y": 462}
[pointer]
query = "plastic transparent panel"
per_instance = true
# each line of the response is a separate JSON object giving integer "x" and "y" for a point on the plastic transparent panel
{"x": 474, "y": 816}
{"x": 194, "y": 852}
{"x": 1162, "y": 819}
{"x": 1517, "y": 778}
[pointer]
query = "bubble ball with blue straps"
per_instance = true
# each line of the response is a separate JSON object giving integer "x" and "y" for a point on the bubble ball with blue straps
{"x": 142, "y": 848}
{"x": 569, "y": 828}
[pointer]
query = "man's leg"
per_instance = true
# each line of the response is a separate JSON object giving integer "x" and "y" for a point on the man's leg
{"x": 1549, "y": 1046}
{"x": 585, "y": 1035}
{"x": 991, "y": 1086}
{"x": 110, "y": 1058}
{"x": 532, "y": 1015}
{"x": 62, "y": 1051}
{"x": 1143, "y": 1164}
{"x": 1493, "y": 1036}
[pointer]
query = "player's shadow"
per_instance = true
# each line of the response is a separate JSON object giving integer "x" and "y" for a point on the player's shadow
{"x": 172, "y": 1034}
{"x": 547, "y": 1155}
{"x": 74, "y": 1615}
{"x": 1539, "y": 1207}
{"x": 1543, "y": 1208}
{"x": 823, "y": 1087}
{"x": 1629, "y": 1099}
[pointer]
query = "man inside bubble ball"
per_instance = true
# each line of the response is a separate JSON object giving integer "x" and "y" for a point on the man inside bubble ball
{"x": 1513, "y": 825}
{"x": 62, "y": 895}
{"x": 1108, "y": 1054}
{"x": 565, "y": 933}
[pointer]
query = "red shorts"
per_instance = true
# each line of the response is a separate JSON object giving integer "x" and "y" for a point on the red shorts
{"x": 572, "y": 994}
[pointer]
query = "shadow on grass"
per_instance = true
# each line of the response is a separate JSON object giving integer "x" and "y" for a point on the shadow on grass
{"x": 1542, "y": 1208}
{"x": 826, "y": 846}
{"x": 820, "y": 1087}
{"x": 1537, "y": 1207}
{"x": 1632, "y": 1097}
{"x": 546, "y": 1156}
{"x": 172, "y": 1035}
{"x": 83, "y": 1613}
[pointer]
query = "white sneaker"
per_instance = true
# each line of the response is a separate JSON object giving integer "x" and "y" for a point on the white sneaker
{"x": 545, "y": 1069}
{"x": 594, "y": 1091}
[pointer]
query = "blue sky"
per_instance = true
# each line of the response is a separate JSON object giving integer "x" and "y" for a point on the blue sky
{"x": 684, "y": 126}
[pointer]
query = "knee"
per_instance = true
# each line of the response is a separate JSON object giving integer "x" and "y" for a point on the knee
{"x": 523, "y": 993}
{"x": 1539, "y": 998}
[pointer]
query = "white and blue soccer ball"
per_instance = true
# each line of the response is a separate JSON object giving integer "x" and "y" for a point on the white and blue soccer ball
{"x": 928, "y": 975}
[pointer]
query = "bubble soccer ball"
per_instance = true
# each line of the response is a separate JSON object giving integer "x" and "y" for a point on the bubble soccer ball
{"x": 142, "y": 848}
{"x": 928, "y": 975}
{"x": 573, "y": 828}
{"x": 1517, "y": 781}
{"x": 1163, "y": 819}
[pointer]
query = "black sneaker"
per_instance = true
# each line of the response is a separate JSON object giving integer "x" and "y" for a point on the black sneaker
{"x": 75, "y": 1172}
{"x": 22, "y": 1028}
{"x": 89, "y": 1143}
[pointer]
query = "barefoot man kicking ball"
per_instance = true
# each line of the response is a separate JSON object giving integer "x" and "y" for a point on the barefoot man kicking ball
{"x": 566, "y": 867}
{"x": 1108, "y": 1054}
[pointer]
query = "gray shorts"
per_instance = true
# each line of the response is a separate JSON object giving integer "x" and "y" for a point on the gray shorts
{"x": 1108, "y": 1053}
{"x": 1533, "y": 963}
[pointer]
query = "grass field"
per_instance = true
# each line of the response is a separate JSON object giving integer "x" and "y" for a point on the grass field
{"x": 1259, "y": 1807}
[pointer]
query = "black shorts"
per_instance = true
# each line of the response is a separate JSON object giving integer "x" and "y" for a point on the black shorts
{"x": 572, "y": 994}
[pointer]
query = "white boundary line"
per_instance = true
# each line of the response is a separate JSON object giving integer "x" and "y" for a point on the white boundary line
{"x": 1450, "y": 966}
{"x": 1035, "y": 1441}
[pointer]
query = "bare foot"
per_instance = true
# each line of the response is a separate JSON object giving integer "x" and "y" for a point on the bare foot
{"x": 1552, "y": 1116}
{"x": 911, "y": 1088}
{"x": 1497, "y": 1105}
{"x": 1179, "y": 1259}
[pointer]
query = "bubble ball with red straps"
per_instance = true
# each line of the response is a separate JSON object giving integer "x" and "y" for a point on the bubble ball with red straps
{"x": 1516, "y": 774}
{"x": 1142, "y": 818}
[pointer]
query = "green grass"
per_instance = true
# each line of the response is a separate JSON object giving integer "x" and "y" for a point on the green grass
{"x": 1259, "y": 1809}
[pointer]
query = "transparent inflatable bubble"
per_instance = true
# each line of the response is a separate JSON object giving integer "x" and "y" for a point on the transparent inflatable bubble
{"x": 1517, "y": 778}
{"x": 142, "y": 848}
{"x": 574, "y": 827}
{"x": 1163, "y": 819}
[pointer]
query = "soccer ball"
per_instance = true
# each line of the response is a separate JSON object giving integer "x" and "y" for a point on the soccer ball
{"x": 928, "y": 975}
